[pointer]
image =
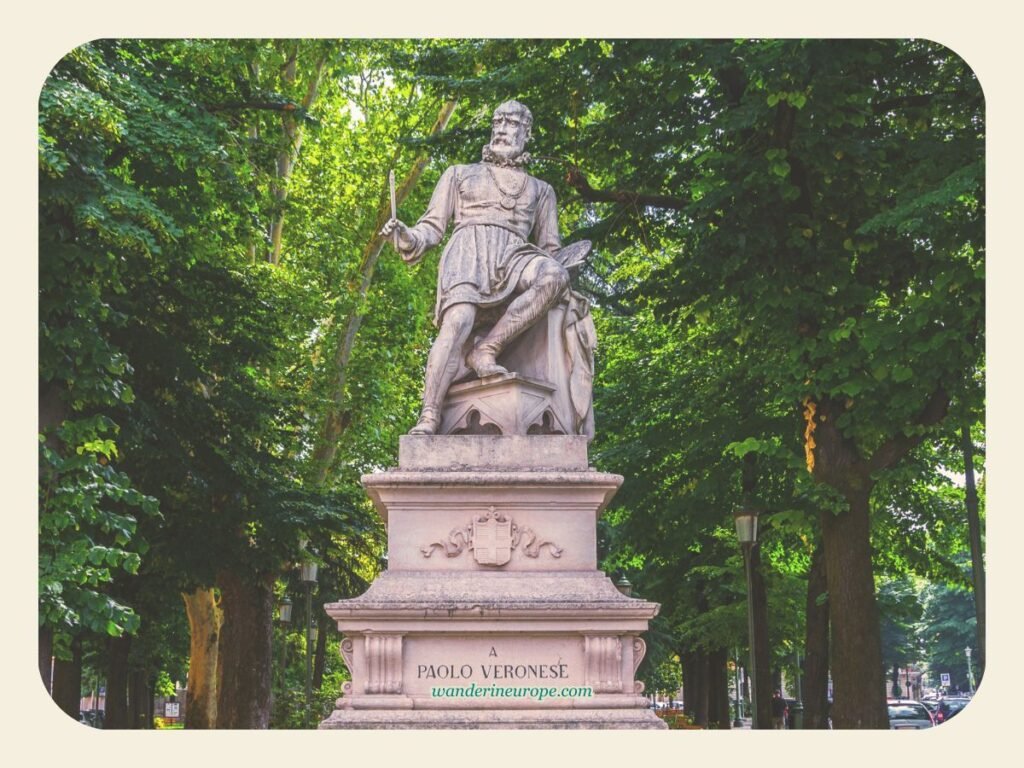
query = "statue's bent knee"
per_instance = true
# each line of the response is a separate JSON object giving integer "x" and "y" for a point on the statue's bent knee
{"x": 553, "y": 277}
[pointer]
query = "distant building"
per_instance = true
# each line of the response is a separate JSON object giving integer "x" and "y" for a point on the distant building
{"x": 910, "y": 683}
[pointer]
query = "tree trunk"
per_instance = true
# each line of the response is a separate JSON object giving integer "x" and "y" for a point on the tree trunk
{"x": 46, "y": 658}
{"x": 140, "y": 699}
{"x": 815, "y": 679}
{"x": 718, "y": 689}
{"x": 204, "y": 622}
{"x": 692, "y": 692}
{"x": 977, "y": 553}
{"x": 67, "y": 681}
{"x": 246, "y": 651}
{"x": 289, "y": 154}
{"x": 116, "y": 715}
{"x": 857, "y": 672}
{"x": 700, "y": 685}
{"x": 858, "y": 677}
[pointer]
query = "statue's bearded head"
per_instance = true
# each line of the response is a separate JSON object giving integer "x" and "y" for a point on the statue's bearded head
{"x": 510, "y": 130}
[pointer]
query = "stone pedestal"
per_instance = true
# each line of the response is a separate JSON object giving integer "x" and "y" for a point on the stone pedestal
{"x": 536, "y": 398}
{"x": 492, "y": 613}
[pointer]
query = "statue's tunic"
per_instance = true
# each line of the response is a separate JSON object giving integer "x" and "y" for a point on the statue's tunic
{"x": 496, "y": 211}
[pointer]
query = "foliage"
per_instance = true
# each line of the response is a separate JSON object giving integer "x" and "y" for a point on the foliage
{"x": 666, "y": 678}
{"x": 900, "y": 610}
{"x": 289, "y": 710}
{"x": 791, "y": 222}
{"x": 89, "y": 219}
{"x": 947, "y": 628}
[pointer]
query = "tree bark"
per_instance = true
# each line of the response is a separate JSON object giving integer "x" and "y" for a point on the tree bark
{"x": 116, "y": 715}
{"x": 977, "y": 553}
{"x": 324, "y": 625}
{"x": 204, "y": 622}
{"x": 718, "y": 689}
{"x": 815, "y": 678}
{"x": 699, "y": 675}
{"x": 46, "y": 658}
{"x": 140, "y": 699}
{"x": 67, "y": 681}
{"x": 246, "y": 653}
{"x": 857, "y": 672}
{"x": 692, "y": 683}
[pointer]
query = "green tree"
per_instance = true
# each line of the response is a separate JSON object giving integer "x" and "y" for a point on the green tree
{"x": 823, "y": 201}
{"x": 947, "y": 629}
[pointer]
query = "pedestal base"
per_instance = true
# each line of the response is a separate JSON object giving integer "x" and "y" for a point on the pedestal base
{"x": 492, "y": 613}
{"x": 528, "y": 719}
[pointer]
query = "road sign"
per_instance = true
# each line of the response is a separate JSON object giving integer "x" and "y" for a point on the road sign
{"x": 171, "y": 709}
{"x": 944, "y": 677}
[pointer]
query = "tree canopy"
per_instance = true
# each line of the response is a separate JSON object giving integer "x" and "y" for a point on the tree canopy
{"x": 788, "y": 283}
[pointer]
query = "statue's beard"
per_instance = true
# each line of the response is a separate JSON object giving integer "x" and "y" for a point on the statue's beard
{"x": 502, "y": 156}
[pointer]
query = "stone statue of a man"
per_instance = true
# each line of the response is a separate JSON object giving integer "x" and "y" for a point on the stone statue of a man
{"x": 489, "y": 261}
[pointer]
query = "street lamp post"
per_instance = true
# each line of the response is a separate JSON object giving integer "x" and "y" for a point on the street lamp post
{"x": 309, "y": 579}
{"x": 284, "y": 615}
{"x": 798, "y": 705}
{"x": 738, "y": 721}
{"x": 624, "y": 586}
{"x": 970, "y": 671}
{"x": 746, "y": 532}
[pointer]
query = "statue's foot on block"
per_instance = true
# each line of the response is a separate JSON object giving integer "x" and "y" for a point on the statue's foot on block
{"x": 430, "y": 420}
{"x": 482, "y": 361}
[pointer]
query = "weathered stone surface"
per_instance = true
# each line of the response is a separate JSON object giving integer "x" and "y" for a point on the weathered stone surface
{"x": 502, "y": 276}
{"x": 550, "y": 515}
{"x": 491, "y": 453}
{"x": 476, "y": 594}
{"x": 506, "y": 404}
{"x": 564, "y": 719}
{"x": 492, "y": 612}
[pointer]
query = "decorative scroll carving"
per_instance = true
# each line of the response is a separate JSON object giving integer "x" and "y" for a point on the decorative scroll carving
{"x": 458, "y": 540}
{"x": 604, "y": 663}
{"x": 639, "y": 651}
{"x": 383, "y": 663}
{"x": 492, "y": 537}
{"x": 347, "y": 649}
{"x": 531, "y": 546}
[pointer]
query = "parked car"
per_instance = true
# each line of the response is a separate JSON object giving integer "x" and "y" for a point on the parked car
{"x": 905, "y": 714}
{"x": 947, "y": 708}
{"x": 91, "y": 717}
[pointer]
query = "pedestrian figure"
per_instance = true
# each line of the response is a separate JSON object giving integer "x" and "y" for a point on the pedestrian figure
{"x": 779, "y": 709}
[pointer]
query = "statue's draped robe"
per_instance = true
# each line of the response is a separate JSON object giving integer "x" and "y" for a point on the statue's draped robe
{"x": 489, "y": 248}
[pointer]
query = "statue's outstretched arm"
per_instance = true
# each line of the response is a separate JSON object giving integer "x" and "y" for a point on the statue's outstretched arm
{"x": 415, "y": 241}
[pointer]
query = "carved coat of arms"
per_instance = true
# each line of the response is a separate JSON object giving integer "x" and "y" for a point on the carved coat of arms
{"x": 492, "y": 538}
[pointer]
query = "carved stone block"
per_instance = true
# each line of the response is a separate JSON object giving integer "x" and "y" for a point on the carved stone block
{"x": 510, "y": 404}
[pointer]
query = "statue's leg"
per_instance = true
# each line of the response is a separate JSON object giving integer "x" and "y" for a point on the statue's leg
{"x": 443, "y": 364}
{"x": 542, "y": 283}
